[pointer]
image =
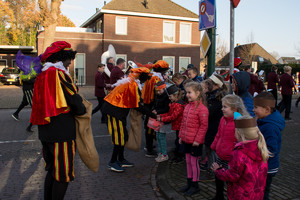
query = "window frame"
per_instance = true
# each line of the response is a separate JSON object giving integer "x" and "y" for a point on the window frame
{"x": 190, "y": 35}
{"x": 173, "y": 57}
{"x": 84, "y": 69}
{"x": 116, "y": 25}
{"x": 190, "y": 61}
{"x": 174, "y": 31}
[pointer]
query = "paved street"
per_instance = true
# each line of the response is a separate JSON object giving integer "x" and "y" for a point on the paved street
{"x": 22, "y": 174}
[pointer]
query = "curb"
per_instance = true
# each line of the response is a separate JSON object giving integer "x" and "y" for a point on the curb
{"x": 162, "y": 180}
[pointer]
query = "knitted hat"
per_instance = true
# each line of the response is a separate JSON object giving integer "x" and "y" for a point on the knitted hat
{"x": 54, "y": 48}
{"x": 172, "y": 89}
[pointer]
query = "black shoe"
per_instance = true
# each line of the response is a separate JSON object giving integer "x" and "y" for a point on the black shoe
{"x": 288, "y": 118}
{"x": 16, "y": 117}
{"x": 28, "y": 129}
{"x": 177, "y": 160}
{"x": 193, "y": 189}
{"x": 151, "y": 154}
{"x": 207, "y": 177}
{"x": 187, "y": 186}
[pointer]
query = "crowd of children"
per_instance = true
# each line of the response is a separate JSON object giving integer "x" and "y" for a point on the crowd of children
{"x": 241, "y": 151}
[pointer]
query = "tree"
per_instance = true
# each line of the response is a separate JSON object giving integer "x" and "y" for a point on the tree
{"x": 6, "y": 17}
{"x": 50, "y": 11}
{"x": 221, "y": 50}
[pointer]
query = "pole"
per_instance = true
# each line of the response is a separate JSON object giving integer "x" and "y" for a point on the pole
{"x": 211, "y": 57}
{"x": 231, "y": 54}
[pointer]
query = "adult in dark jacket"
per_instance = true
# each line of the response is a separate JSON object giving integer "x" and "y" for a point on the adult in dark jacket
{"x": 273, "y": 81}
{"x": 216, "y": 91}
{"x": 110, "y": 63}
{"x": 54, "y": 105}
{"x": 240, "y": 83}
{"x": 287, "y": 84}
{"x": 99, "y": 90}
{"x": 116, "y": 72}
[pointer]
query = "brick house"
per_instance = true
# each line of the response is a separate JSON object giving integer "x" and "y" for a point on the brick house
{"x": 139, "y": 30}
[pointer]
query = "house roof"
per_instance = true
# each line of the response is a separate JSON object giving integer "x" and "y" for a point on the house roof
{"x": 248, "y": 53}
{"x": 161, "y": 7}
{"x": 152, "y": 8}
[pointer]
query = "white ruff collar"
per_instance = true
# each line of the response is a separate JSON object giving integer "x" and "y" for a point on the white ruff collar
{"x": 58, "y": 65}
{"x": 158, "y": 75}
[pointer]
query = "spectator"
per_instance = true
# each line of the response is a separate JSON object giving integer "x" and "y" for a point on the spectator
{"x": 273, "y": 81}
{"x": 116, "y": 72}
{"x": 240, "y": 83}
{"x": 287, "y": 84}
{"x": 193, "y": 75}
{"x": 99, "y": 90}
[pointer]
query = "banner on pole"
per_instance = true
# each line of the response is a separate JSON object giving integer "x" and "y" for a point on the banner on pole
{"x": 207, "y": 14}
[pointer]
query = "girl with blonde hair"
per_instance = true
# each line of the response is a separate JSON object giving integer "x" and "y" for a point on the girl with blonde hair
{"x": 247, "y": 170}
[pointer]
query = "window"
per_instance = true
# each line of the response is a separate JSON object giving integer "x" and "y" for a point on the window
{"x": 169, "y": 32}
{"x": 121, "y": 25}
{"x": 171, "y": 61}
{"x": 79, "y": 69}
{"x": 99, "y": 26}
{"x": 124, "y": 56}
{"x": 13, "y": 63}
{"x": 185, "y": 33}
{"x": 2, "y": 65}
{"x": 183, "y": 63}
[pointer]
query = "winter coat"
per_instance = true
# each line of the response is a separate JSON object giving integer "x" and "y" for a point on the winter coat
{"x": 271, "y": 127}
{"x": 272, "y": 80}
{"x": 246, "y": 174}
{"x": 287, "y": 84}
{"x": 116, "y": 74}
{"x": 99, "y": 85}
{"x": 243, "y": 83}
{"x": 161, "y": 103}
{"x": 174, "y": 115}
{"x": 225, "y": 139}
{"x": 214, "y": 106}
{"x": 194, "y": 123}
{"x": 254, "y": 81}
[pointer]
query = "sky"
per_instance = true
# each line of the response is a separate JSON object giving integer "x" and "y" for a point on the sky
{"x": 273, "y": 24}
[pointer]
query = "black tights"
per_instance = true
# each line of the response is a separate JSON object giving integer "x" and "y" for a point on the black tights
{"x": 118, "y": 153}
{"x": 54, "y": 189}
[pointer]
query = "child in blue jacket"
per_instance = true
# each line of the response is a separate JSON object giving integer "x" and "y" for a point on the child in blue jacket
{"x": 271, "y": 123}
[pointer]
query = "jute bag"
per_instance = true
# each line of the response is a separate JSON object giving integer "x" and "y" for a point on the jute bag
{"x": 84, "y": 138}
{"x": 135, "y": 131}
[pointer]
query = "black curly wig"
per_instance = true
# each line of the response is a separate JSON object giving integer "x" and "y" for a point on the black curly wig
{"x": 144, "y": 77}
{"x": 62, "y": 55}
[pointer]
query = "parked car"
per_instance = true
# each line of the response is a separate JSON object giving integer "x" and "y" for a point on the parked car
{"x": 10, "y": 75}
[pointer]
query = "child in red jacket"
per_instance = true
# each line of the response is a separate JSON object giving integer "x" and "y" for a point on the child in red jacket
{"x": 175, "y": 116}
{"x": 225, "y": 139}
{"x": 192, "y": 132}
{"x": 247, "y": 171}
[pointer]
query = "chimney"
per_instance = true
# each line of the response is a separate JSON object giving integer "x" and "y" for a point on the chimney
{"x": 97, "y": 10}
{"x": 104, "y": 2}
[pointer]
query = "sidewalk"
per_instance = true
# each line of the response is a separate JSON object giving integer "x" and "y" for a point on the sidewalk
{"x": 169, "y": 177}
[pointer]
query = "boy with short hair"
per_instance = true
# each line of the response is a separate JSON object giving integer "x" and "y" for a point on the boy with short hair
{"x": 270, "y": 123}
{"x": 193, "y": 75}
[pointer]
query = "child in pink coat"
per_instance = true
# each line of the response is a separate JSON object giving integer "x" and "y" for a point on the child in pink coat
{"x": 192, "y": 133}
{"x": 247, "y": 172}
{"x": 225, "y": 140}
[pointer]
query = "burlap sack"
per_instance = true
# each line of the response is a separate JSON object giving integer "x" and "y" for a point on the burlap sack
{"x": 84, "y": 138}
{"x": 135, "y": 131}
